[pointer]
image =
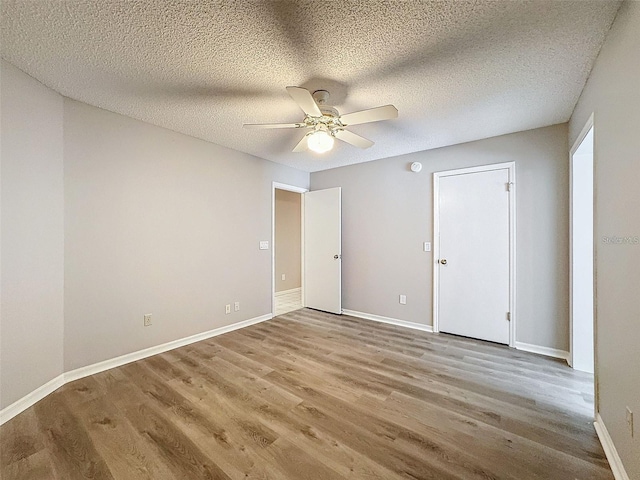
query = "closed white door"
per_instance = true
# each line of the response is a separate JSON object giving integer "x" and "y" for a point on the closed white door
{"x": 473, "y": 249}
{"x": 323, "y": 250}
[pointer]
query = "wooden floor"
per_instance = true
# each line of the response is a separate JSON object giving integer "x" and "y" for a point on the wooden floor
{"x": 310, "y": 395}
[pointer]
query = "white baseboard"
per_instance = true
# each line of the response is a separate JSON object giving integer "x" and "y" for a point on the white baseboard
{"x": 31, "y": 398}
{"x": 610, "y": 450}
{"x": 148, "y": 352}
{"x": 392, "y": 321}
{"x": 549, "y": 352}
{"x": 286, "y": 292}
{"x": 38, "y": 394}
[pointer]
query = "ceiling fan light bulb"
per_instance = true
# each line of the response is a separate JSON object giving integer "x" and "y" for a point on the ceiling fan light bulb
{"x": 320, "y": 142}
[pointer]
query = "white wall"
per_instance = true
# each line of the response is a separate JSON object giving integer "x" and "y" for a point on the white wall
{"x": 612, "y": 93}
{"x": 388, "y": 213}
{"x": 162, "y": 223}
{"x": 287, "y": 240}
{"x": 32, "y": 239}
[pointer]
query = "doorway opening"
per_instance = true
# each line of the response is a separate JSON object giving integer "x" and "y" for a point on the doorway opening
{"x": 287, "y": 270}
{"x": 582, "y": 346}
{"x": 319, "y": 244}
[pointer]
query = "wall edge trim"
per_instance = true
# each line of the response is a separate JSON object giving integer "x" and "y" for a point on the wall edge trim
{"x": 540, "y": 350}
{"x": 392, "y": 321}
{"x": 51, "y": 386}
{"x": 615, "y": 462}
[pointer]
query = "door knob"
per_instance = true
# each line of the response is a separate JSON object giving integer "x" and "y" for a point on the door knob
{"x": 337, "y": 256}
{"x": 443, "y": 261}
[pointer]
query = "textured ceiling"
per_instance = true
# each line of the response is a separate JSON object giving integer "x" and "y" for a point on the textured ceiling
{"x": 456, "y": 70}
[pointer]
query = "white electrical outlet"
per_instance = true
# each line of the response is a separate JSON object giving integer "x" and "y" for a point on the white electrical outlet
{"x": 236, "y": 307}
{"x": 403, "y": 299}
{"x": 630, "y": 421}
{"x": 227, "y": 308}
{"x": 147, "y": 320}
{"x": 284, "y": 277}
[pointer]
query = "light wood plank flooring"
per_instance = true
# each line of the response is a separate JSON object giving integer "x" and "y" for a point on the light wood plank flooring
{"x": 309, "y": 395}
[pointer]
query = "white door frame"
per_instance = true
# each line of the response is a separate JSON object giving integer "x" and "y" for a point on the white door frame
{"x": 583, "y": 133}
{"x": 301, "y": 191}
{"x": 511, "y": 167}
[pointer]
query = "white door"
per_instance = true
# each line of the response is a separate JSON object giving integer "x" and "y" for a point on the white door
{"x": 323, "y": 250}
{"x": 474, "y": 249}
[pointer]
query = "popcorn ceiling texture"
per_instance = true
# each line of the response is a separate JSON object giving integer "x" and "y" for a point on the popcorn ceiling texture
{"x": 456, "y": 70}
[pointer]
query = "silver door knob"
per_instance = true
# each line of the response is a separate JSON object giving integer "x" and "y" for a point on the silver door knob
{"x": 443, "y": 261}
{"x": 337, "y": 256}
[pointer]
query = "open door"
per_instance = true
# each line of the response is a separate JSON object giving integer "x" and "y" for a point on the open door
{"x": 323, "y": 250}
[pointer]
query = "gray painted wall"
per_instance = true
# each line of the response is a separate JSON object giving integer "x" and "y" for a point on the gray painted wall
{"x": 104, "y": 219}
{"x": 162, "y": 223}
{"x": 612, "y": 93}
{"x": 288, "y": 240}
{"x": 388, "y": 212}
{"x": 32, "y": 239}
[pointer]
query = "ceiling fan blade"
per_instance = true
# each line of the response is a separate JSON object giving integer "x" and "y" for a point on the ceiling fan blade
{"x": 305, "y": 101}
{"x": 372, "y": 115}
{"x": 273, "y": 125}
{"x": 353, "y": 139}
{"x": 301, "y": 146}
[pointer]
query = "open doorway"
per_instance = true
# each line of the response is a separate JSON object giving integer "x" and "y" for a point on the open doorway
{"x": 287, "y": 249}
{"x": 582, "y": 252}
{"x": 306, "y": 228}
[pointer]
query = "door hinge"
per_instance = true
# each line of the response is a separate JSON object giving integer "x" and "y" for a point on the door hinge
{"x": 509, "y": 185}
{"x": 509, "y": 316}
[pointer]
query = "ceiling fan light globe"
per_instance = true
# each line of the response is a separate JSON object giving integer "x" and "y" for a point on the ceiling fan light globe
{"x": 320, "y": 142}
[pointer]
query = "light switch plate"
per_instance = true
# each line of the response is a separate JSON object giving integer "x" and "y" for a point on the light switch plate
{"x": 264, "y": 245}
{"x": 427, "y": 246}
{"x": 403, "y": 299}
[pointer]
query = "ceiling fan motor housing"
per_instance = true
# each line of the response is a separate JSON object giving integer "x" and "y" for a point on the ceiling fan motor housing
{"x": 321, "y": 97}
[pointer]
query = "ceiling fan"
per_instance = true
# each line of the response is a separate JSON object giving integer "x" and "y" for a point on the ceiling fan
{"x": 325, "y": 123}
